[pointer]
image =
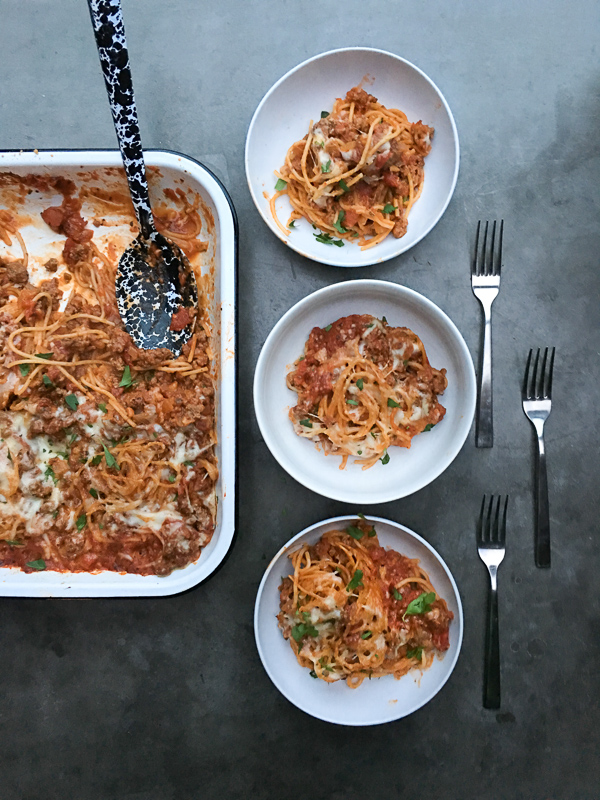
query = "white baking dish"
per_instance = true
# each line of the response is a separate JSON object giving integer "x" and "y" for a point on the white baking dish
{"x": 173, "y": 171}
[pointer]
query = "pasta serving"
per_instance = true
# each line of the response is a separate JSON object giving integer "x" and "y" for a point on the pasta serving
{"x": 357, "y": 173}
{"x": 107, "y": 455}
{"x": 364, "y": 386}
{"x": 353, "y": 610}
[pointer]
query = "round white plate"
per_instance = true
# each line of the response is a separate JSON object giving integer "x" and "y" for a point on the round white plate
{"x": 409, "y": 469}
{"x": 380, "y": 699}
{"x": 284, "y": 113}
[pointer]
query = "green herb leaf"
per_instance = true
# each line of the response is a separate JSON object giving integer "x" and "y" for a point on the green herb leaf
{"x": 384, "y": 320}
{"x": 343, "y": 185}
{"x": 44, "y": 355}
{"x": 49, "y": 473}
{"x": 126, "y": 379}
{"x": 421, "y": 604}
{"x": 94, "y": 493}
{"x": 352, "y": 402}
{"x": 80, "y": 522}
{"x": 325, "y": 238}
{"x": 396, "y": 593}
{"x": 304, "y": 629}
{"x": 356, "y": 581}
{"x": 39, "y": 564}
{"x": 392, "y": 403}
{"x": 324, "y": 114}
{"x": 389, "y": 208}
{"x": 416, "y": 652}
{"x": 386, "y": 458}
{"x": 47, "y": 381}
{"x": 354, "y": 532}
{"x": 111, "y": 461}
{"x": 102, "y": 407}
{"x": 360, "y": 383}
{"x": 366, "y": 635}
{"x": 72, "y": 402}
{"x": 280, "y": 185}
{"x": 372, "y": 533}
{"x": 306, "y": 422}
{"x": 328, "y": 327}
{"x": 292, "y": 223}
{"x": 429, "y": 426}
{"x": 326, "y": 167}
{"x": 55, "y": 514}
{"x": 15, "y": 543}
{"x": 362, "y": 516}
{"x": 313, "y": 674}
{"x": 172, "y": 478}
{"x": 24, "y": 369}
{"x": 338, "y": 223}
{"x": 96, "y": 460}
{"x": 189, "y": 463}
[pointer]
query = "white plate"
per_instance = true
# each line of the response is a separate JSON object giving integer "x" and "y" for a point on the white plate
{"x": 284, "y": 113}
{"x": 375, "y": 701}
{"x": 408, "y": 470}
{"x": 175, "y": 171}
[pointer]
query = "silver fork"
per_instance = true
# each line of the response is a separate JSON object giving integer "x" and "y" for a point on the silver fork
{"x": 491, "y": 538}
{"x": 537, "y": 403}
{"x": 485, "y": 283}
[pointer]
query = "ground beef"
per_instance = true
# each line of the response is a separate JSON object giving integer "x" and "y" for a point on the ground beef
{"x": 14, "y": 272}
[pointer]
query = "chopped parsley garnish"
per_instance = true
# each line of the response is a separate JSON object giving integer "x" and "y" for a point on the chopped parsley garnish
{"x": 111, "y": 461}
{"x": 389, "y": 208}
{"x": 49, "y": 473}
{"x": 55, "y": 514}
{"x": 386, "y": 458}
{"x": 392, "y": 403}
{"x": 421, "y": 604}
{"x": 324, "y": 114}
{"x": 188, "y": 463}
{"x": 343, "y": 185}
{"x": 352, "y": 402}
{"x": 306, "y": 422}
{"x": 338, "y": 223}
{"x": 39, "y": 564}
{"x": 72, "y": 402}
{"x": 102, "y": 407}
{"x": 384, "y": 320}
{"x": 328, "y": 327}
{"x": 356, "y": 581}
{"x": 354, "y": 532}
{"x": 366, "y": 635}
{"x": 280, "y": 185}
{"x": 360, "y": 383}
{"x": 362, "y": 516}
{"x": 172, "y": 478}
{"x": 96, "y": 460}
{"x": 323, "y": 663}
{"x": 326, "y": 167}
{"x": 292, "y": 223}
{"x": 313, "y": 674}
{"x": 72, "y": 438}
{"x": 429, "y": 426}
{"x": 80, "y": 522}
{"x": 304, "y": 629}
{"x": 372, "y": 533}
{"x": 24, "y": 369}
{"x": 14, "y": 543}
{"x": 416, "y": 652}
{"x": 126, "y": 380}
{"x": 94, "y": 493}
{"x": 359, "y": 452}
{"x": 47, "y": 381}
{"x": 396, "y": 593}
{"x": 44, "y": 355}
{"x": 325, "y": 238}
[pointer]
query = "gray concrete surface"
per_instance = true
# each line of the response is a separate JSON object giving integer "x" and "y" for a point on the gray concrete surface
{"x": 167, "y": 699}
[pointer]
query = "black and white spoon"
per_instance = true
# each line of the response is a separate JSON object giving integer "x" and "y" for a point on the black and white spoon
{"x": 154, "y": 279}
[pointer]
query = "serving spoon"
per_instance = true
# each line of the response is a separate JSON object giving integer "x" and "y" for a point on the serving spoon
{"x": 155, "y": 285}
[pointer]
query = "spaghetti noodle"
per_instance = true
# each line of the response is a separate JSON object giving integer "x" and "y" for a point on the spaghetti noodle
{"x": 107, "y": 455}
{"x": 353, "y": 610}
{"x": 363, "y": 387}
{"x": 357, "y": 173}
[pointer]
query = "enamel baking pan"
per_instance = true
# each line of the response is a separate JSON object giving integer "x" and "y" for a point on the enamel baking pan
{"x": 166, "y": 170}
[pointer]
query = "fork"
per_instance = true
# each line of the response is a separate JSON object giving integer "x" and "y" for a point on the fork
{"x": 537, "y": 402}
{"x": 491, "y": 537}
{"x": 485, "y": 283}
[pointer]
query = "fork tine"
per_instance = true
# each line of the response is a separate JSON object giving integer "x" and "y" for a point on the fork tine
{"x": 500, "y": 238}
{"x": 502, "y": 536}
{"x": 549, "y": 377}
{"x": 494, "y": 534}
{"x": 491, "y": 270}
{"x": 480, "y": 521}
{"x": 526, "y": 377}
{"x": 483, "y": 270}
{"x": 542, "y": 392}
{"x": 534, "y": 382}
{"x": 475, "y": 270}
{"x": 488, "y": 521}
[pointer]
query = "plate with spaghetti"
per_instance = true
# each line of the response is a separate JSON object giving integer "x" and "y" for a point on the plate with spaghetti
{"x": 352, "y": 157}
{"x": 358, "y": 621}
{"x": 112, "y": 459}
{"x": 364, "y": 391}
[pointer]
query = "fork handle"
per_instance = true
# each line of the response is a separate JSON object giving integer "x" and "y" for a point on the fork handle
{"x": 484, "y": 436}
{"x": 542, "y": 506}
{"x": 491, "y": 675}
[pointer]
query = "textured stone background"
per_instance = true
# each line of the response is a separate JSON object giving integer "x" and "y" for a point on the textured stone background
{"x": 167, "y": 699}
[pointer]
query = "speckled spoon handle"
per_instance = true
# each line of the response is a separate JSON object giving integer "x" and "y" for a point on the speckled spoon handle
{"x": 107, "y": 20}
